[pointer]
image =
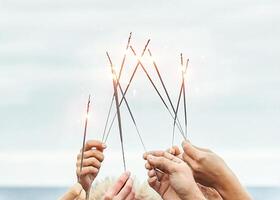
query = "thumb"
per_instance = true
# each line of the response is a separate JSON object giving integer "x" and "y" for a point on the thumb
{"x": 73, "y": 192}
{"x": 190, "y": 150}
{"x": 161, "y": 163}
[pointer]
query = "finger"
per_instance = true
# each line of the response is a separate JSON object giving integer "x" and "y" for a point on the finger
{"x": 119, "y": 184}
{"x": 159, "y": 174}
{"x": 90, "y": 162}
{"x": 154, "y": 153}
{"x": 94, "y": 144}
{"x": 174, "y": 150}
{"x": 189, "y": 161}
{"x": 154, "y": 183}
{"x": 191, "y": 151}
{"x": 202, "y": 149}
{"x": 162, "y": 163}
{"x": 87, "y": 170}
{"x": 171, "y": 157}
{"x": 73, "y": 192}
{"x": 92, "y": 153}
{"x": 131, "y": 195}
{"x": 164, "y": 154}
{"x": 151, "y": 173}
{"x": 125, "y": 191}
{"x": 148, "y": 166}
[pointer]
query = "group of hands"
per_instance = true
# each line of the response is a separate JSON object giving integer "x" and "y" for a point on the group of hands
{"x": 192, "y": 174}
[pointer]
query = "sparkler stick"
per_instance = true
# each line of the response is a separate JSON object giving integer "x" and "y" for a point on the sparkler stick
{"x": 154, "y": 86}
{"x": 131, "y": 115}
{"x": 164, "y": 87}
{"x": 85, "y": 134}
{"x": 119, "y": 76}
{"x": 184, "y": 94}
{"x": 134, "y": 122}
{"x": 179, "y": 98}
{"x": 176, "y": 113}
{"x": 115, "y": 83}
{"x": 126, "y": 89}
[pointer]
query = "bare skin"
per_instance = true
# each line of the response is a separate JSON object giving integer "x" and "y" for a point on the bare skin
{"x": 76, "y": 192}
{"x": 93, "y": 157}
{"x": 208, "y": 192}
{"x": 122, "y": 190}
{"x": 171, "y": 177}
{"x": 210, "y": 170}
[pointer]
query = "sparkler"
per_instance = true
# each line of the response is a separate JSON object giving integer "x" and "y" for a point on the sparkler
{"x": 176, "y": 113}
{"x": 85, "y": 134}
{"x": 130, "y": 112}
{"x": 173, "y": 112}
{"x": 182, "y": 90}
{"x": 164, "y": 87}
{"x": 120, "y": 73}
{"x": 126, "y": 89}
{"x": 84, "y": 141}
{"x": 115, "y": 84}
{"x": 154, "y": 86}
{"x": 184, "y": 93}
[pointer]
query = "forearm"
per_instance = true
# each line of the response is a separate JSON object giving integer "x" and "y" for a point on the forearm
{"x": 231, "y": 189}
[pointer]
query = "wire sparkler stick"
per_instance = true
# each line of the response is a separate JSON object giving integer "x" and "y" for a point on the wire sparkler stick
{"x": 131, "y": 115}
{"x": 85, "y": 134}
{"x": 179, "y": 98}
{"x": 154, "y": 86}
{"x": 126, "y": 89}
{"x": 83, "y": 148}
{"x": 133, "y": 120}
{"x": 119, "y": 76}
{"x": 184, "y": 93}
{"x": 176, "y": 113}
{"x": 164, "y": 87}
{"x": 115, "y": 83}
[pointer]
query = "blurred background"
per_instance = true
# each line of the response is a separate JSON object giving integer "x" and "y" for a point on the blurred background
{"x": 52, "y": 55}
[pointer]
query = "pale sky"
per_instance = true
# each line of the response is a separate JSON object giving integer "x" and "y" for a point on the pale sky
{"x": 52, "y": 55}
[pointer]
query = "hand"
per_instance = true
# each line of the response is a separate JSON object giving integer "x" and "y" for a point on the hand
{"x": 122, "y": 190}
{"x": 161, "y": 184}
{"x": 176, "y": 180}
{"x": 208, "y": 192}
{"x": 74, "y": 193}
{"x": 210, "y": 170}
{"x": 93, "y": 157}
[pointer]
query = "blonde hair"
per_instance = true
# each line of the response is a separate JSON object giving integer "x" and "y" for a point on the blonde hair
{"x": 143, "y": 191}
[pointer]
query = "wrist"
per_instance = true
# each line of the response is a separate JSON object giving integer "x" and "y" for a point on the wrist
{"x": 193, "y": 193}
{"x": 230, "y": 188}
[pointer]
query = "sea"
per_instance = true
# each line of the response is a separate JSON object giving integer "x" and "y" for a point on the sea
{"x": 49, "y": 193}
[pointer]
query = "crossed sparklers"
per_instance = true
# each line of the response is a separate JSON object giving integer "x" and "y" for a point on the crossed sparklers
{"x": 173, "y": 112}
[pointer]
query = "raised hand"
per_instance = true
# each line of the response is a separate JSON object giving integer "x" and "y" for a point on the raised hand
{"x": 122, "y": 190}
{"x": 175, "y": 181}
{"x": 208, "y": 192}
{"x": 210, "y": 170}
{"x": 93, "y": 157}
